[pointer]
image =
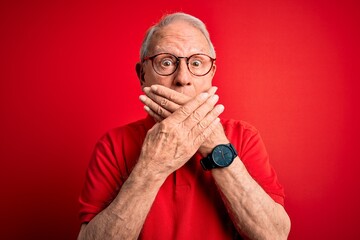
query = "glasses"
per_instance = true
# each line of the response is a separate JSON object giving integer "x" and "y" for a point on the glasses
{"x": 166, "y": 64}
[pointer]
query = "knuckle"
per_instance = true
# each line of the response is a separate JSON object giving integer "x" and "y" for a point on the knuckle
{"x": 160, "y": 111}
{"x": 214, "y": 113}
{"x": 185, "y": 110}
{"x": 202, "y": 124}
{"x": 163, "y": 102}
{"x": 196, "y": 116}
{"x": 163, "y": 127}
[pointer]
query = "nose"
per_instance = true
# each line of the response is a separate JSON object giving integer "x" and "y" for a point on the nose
{"x": 182, "y": 76}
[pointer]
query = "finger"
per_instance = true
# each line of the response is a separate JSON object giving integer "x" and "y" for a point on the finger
{"x": 199, "y": 114}
{"x": 202, "y": 125}
{"x": 167, "y": 99}
{"x": 154, "y": 107}
{"x": 180, "y": 115}
{"x": 212, "y": 90}
{"x": 171, "y": 95}
{"x": 206, "y": 133}
{"x": 174, "y": 96}
{"x": 161, "y": 101}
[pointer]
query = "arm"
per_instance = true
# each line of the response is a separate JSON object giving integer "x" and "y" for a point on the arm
{"x": 167, "y": 146}
{"x": 125, "y": 216}
{"x": 255, "y": 214}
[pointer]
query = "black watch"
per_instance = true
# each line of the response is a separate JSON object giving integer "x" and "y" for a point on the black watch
{"x": 221, "y": 156}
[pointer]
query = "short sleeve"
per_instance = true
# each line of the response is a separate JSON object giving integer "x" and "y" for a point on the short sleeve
{"x": 102, "y": 181}
{"x": 253, "y": 154}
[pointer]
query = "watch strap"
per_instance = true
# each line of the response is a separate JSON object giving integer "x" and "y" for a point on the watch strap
{"x": 207, "y": 163}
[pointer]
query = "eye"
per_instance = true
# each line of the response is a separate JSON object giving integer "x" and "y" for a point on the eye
{"x": 167, "y": 62}
{"x": 196, "y": 63}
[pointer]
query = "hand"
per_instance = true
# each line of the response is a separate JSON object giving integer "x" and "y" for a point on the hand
{"x": 160, "y": 102}
{"x": 174, "y": 140}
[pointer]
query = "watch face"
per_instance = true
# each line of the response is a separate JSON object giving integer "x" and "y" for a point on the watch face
{"x": 222, "y": 155}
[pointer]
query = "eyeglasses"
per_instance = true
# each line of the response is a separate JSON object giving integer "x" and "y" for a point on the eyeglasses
{"x": 166, "y": 64}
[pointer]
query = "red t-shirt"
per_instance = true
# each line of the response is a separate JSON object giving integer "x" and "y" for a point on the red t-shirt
{"x": 188, "y": 205}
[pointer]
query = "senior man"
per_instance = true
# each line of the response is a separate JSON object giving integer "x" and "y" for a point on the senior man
{"x": 181, "y": 173}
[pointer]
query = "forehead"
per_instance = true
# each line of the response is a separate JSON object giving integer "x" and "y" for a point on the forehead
{"x": 179, "y": 38}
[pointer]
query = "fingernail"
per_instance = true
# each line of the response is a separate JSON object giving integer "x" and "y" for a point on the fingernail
{"x": 142, "y": 98}
{"x": 146, "y": 89}
{"x": 147, "y": 108}
{"x": 220, "y": 108}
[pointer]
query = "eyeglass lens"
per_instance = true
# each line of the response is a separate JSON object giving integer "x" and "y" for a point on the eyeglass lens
{"x": 166, "y": 64}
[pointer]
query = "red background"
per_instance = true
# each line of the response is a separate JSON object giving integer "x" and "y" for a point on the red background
{"x": 67, "y": 76}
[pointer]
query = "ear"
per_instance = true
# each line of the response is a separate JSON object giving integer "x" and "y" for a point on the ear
{"x": 140, "y": 73}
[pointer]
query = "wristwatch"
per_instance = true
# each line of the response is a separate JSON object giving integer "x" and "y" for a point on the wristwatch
{"x": 221, "y": 156}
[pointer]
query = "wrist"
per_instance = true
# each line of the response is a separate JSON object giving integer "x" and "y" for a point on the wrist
{"x": 207, "y": 148}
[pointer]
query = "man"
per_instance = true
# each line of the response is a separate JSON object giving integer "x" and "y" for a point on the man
{"x": 181, "y": 173}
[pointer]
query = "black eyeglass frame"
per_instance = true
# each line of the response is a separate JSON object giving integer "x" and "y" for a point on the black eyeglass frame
{"x": 178, "y": 61}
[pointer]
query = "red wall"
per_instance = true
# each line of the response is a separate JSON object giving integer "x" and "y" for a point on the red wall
{"x": 67, "y": 75}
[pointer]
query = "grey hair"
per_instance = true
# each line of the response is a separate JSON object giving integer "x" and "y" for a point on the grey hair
{"x": 170, "y": 18}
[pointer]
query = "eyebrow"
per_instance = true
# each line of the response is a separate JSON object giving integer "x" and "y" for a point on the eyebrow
{"x": 159, "y": 49}
{"x": 177, "y": 55}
